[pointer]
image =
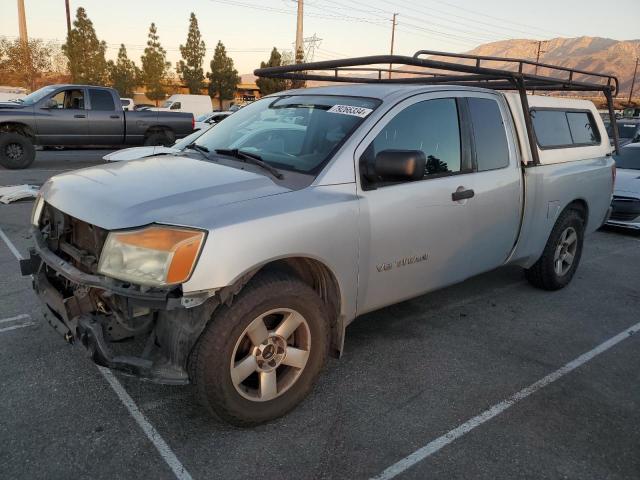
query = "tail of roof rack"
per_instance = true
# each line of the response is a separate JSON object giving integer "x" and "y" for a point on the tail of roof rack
{"x": 451, "y": 69}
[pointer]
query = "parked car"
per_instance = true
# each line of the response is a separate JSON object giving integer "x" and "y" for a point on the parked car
{"x": 631, "y": 112}
{"x": 80, "y": 115}
{"x": 243, "y": 263}
{"x": 143, "y": 106}
{"x": 135, "y": 153}
{"x": 628, "y": 130}
{"x": 194, "y": 104}
{"x": 626, "y": 195}
{"x": 128, "y": 104}
{"x": 211, "y": 118}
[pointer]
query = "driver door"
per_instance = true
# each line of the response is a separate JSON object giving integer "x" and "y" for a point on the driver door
{"x": 414, "y": 237}
{"x": 61, "y": 118}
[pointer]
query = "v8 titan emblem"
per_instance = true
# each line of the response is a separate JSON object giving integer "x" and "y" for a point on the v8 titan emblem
{"x": 383, "y": 267}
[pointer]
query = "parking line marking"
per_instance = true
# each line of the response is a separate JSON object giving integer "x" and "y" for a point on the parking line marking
{"x": 22, "y": 316}
{"x": 449, "y": 437}
{"x": 152, "y": 434}
{"x": 15, "y": 327}
{"x": 11, "y": 246}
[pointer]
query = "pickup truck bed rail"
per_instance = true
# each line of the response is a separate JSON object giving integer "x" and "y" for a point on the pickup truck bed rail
{"x": 513, "y": 77}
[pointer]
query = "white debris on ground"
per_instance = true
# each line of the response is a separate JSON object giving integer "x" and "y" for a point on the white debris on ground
{"x": 17, "y": 192}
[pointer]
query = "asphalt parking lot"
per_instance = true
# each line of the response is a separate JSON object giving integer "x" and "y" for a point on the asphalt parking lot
{"x": 412, "y": 376}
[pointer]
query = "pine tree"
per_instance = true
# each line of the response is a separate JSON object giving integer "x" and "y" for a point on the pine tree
{"x": 85, "y": 53}
{"x": 193, "y": 52}
{"x": 123, "y": 74}
{"x": 223, "y": 78}
{"x": 155, "y": 67}
{"x": 271, "y": 85}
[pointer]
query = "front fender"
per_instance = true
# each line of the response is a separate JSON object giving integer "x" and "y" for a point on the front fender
{"x": 320, "y": 223}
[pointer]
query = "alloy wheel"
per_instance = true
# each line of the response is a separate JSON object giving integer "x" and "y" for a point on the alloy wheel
{"x": 270, "y": 354}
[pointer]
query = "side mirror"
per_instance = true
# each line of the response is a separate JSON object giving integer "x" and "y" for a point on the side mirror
{"x": 396, "y": 165}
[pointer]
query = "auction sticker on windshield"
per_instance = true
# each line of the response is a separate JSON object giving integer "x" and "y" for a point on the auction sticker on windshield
{"x": 350, "y": 110}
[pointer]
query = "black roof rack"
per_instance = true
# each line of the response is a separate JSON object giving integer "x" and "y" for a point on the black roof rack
{"x": 446, "y": 68}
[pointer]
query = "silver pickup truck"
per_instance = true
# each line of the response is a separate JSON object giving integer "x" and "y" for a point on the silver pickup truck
{"x": 80, "y": 115}
{"x": 237, "y": 264}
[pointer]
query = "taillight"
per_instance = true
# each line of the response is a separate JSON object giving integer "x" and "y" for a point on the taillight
{"x": 613, "y": 177}
{"x": 193, "y": 122}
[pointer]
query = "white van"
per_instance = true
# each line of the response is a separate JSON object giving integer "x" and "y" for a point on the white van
{"x": 196, "y": 104}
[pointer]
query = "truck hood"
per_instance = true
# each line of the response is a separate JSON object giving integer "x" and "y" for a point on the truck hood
{"x": 10, "y": 105}
{"x": 627, "y": 182}
{"x": 165, "y": 189}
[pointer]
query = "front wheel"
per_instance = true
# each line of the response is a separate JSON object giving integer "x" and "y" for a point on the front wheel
{"x": 260, "y": 357}
{"x": 16, "y": 151}
{"x": 561, "y": 256}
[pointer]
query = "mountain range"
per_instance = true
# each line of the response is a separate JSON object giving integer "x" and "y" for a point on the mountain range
{"x": 602, "y": 55}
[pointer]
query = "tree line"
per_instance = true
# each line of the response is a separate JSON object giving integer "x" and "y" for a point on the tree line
{"x": 88, "y": 64}
{"x": 83, "y": 56}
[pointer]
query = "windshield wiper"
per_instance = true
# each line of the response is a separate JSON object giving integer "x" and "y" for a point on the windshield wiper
{"x": 251, "y": 158}
{"x": 202, "y": 150}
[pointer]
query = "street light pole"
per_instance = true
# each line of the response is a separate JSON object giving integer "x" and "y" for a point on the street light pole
{"x": 66, "y": 4}
{"x": 393, "y": 37}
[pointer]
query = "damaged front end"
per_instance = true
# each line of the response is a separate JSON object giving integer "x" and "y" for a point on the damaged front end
{"x": 147, "y": 332}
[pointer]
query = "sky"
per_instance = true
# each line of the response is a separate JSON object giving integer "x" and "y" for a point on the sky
{"x": 250, "y": 28}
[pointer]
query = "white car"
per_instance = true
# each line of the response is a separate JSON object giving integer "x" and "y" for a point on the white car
{"x": 208, "y": 119}
{"x": 195, "y": 104}
{"x": 626, "y": 195}
{"x": 134, "y": 153}
{"x": 128, "y": 104}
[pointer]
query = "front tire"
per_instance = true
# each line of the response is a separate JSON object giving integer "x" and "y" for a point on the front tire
{"x": 259, "y": 358}
{"x": 561, "y": 256}
{"x": 16, "y": 151}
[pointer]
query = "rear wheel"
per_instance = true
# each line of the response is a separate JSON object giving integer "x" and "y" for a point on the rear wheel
{"x": 561, "y": 256}
{"x": 261, "y": 357}
{"x": 159, "y": 138}
{"x": 16, "y": 151}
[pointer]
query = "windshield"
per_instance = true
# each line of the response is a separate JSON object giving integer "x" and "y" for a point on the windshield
{"x": 296, "y": 132}
{"x": 35, "y": 97}
{"x": 628, "y": 158}
{"x": 203, "y": 117}
{"x": 182, "y": 143}
{"x": 167, "y": 104}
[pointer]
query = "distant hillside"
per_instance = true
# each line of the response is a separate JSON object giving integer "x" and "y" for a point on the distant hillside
{"x": 602, "y": 55}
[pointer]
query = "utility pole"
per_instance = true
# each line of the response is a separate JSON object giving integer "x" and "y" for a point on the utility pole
{"x": 540, "y": 51}
{"x": 633, "y": 82}
{"x": 299, "y": 37}
{"x": 22, "y": 24}
{"x": 393, "y": 37}
{"x": 66, "y": 4}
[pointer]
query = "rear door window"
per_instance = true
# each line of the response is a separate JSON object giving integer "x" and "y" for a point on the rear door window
{"x": 101, "y": 100}
{"x": 490, "y": 137}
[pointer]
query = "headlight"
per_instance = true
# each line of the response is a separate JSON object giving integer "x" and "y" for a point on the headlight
{"x": 152, "y": 256}
{"x": 37, "y": 210}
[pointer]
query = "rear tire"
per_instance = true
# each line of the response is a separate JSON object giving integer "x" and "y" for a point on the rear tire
{"x": 16, "y": 151}
{"x": 561, "y": 256}
{"x": 293, "y": 320}
{"x": 159, "y": 138}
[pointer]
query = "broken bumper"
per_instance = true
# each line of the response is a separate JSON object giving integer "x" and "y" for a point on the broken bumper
{"x": 172, "y": 332}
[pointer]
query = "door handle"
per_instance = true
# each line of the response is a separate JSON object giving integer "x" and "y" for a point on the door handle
{"x": 462, "y": 194}
{"x": 114, "y": 116}
{"x": 79, "y": 115}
